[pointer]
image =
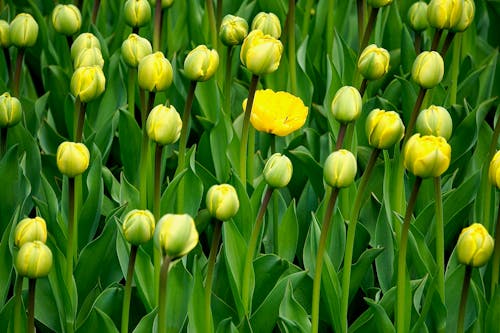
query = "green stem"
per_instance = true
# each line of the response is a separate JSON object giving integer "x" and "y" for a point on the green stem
{"x": 439, "y": 237}
{"x": 437, "y": 37}
{"x": 228, "y": 81}
{"x": 463, "y": 299}
{"x": 245, "y": 129}
{"x": 18, "y": 289}
{"x": 455, "y": 67}
{"x": 292, "y": 57}
{"x": 157, "y": 182}
{"x": 327, "y": 219}
{"x": 447, "y": 42}
{"x": 418, "y": 42}
{"x": 128, "y": 289}
{"x": 157, "y": 272}
{"x": 71, "y": 229}
{"x": 143, "y": 163}
{"x": 17, "y": 73}
{"x": 157, "y": 27}
{"x": 330, "y": 27}
{"x": 363, "y": 86}
{"x": 361, "y": 20}
{"x": 8, "y": 63}
{"x": 276, "y": 239}
{"x": 3, "y": 141}
{"x": 341, "y": 136}
{"x": 80, "y": 115}
{"x": 132, "y": 75}
{"x": 496, "y": 256}
{"x": 31, "y": 305}
{"x": 369, "y": 28}
{"x": 307, "y": 18}
{"x": 210, "y": 272}
{"x": 162, "y": 297}
{"x": 95, "y": 9}
{"x": 414, "y": 115}
{"x": 218, "y": 16}
{"x": 211, "y": 23}
{"x": 485, "y": 183}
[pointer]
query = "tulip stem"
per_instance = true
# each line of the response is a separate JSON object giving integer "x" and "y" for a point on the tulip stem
{"x": 246, "y": 128}
{"x": 307, "y": 18}
{"x": 447, "y": 42}
{"x": 211, "y": 22}
{"x": 414, "y": 114}
{"x": 95, "y": 9}
{"x": 327, "y": 219}
{"x": 228, "y": 81}
{"x": 439, "y": 237}
{"x": 157, "y": 27}
{"x": 8, "y": 63}
{"x": 361, "y": 20}
{"x": 80, "y": 115}
{"x": 31, "y": 305}
{"x": 162, "y": 301}
{"x": 71, "y": 229}
{"x": 143, "y": 163}
{"x": 330, "y": 27}
{"x": 401, "y": 300}
{"x": 418, "y": 42}
{"x": 132, "y": 76}
{"x": 496, "y": 256}
{"x": 17, "y": 73}
{"x": 157, "y": 181}
{"x": 210, "y": 271}
{"x": 363, "y": 86}
{"x": 437, "y": 37}
{"x": 463, "y": 299}
{"x": 455, "y": 67}
{"x": 292, "y": 57}
{"x": 3, "y": 141}
{"x": 128, "y": 289}
{"x": 369, "y": 28}
{"x": 341, "y": 136}
{"x": 218, "y": 16}
{"x": 18, "y": 289}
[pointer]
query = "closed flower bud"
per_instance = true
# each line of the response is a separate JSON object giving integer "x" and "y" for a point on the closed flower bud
{"x": 11, "y": 110}
{"x": 278, "y": 170}
{"x": 233, "y": 30}
{"x": 373, "y": 62}
{"x": 137, "y": 13}
{"x": 88, "y": 83}
{"x": 384, "y": 128}
{"x": 23, "y": 30}
{"x": 444, "y": 14}
{"x": 164, "y": 125}
{"x": 82, "y": 42}
{"x": 379, "y": 3}
{"x": 155, "y": 72}
{"x": 66, "y": 19}
{"x": 466, "y": 18}
{"x": 201, "y": 63}
{"x": 494, "y": 172}
{"x": 428, "y": 69}
{"x": 176, "y": 235}
{"x": 474, "y": 246}
{"x": 417, "y": 16}
{"x": 138, "y": 226}
{"x": 164, "y": 3}
{"x": 134, "y": 48}
{"x": 29, "y": 230}
{"x": 268, "y": 23}
{"x": 346, "y": 105}
{"x": 340, "y": 169}
{"x": 435, "y": 120}
{"x": 261, "y": 54}
{"x": 4, "y": 34}
{"x": 72, "y": 158}
{"x": 427, "y": 156}
{"x": 222, "y": 202}
{"x": 89, "y": 57}
{"x": 34, "y": 260}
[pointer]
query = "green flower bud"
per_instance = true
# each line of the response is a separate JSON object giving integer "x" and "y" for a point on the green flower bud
{"x": 137, "y": 12}
{"x": 428, "y": 69}
{"x": 261, "y": 54}
{"x": 233, "y": 30}
{"x": 164, "y": 3}
{"x": 379, "y": 3}
{"x": 417, "y": 16}
{"x": 66, "y": 19}
{"x": 474, "y": 246}
{"x": 29, "y": 230}
{"x": 82, "y": 42}
{"x": 427, "y": 156}
{"x": 494, "y": 171}
{"x": 89, "y": 57}
{"x": 201, "y": 63}
{"x": 87, "y": 83}
{"x": 340, "y": 168}
{"x": 436, "y": 121}
{"x": 11, "y": 110}
{"x": 155, "y": 72}
{"x": 268, "y": 23}
{"x": 72, "y": 158}
{"x": 4, "y": 34}
{"x": 444, "y": 14}
{"x": 23, "y": 30}
{"x": 222, "y": 201}
{"x": 466, "y": 18}
{"x": 278, "y": 170}
{"x": 384, "y": 128}
{"x": 164, "y": 125}
{"x": 34, "y": 260}
{"x": 373, "y": 62}
{"x": 176, "y": 235}
{"x": 138, "y": 226}
{"x": 134, "y": 48}
{"x": 346, "y": 104}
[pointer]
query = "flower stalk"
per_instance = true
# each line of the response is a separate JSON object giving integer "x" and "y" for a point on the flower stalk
{"x": 132, "y": 76}
{"x": 95, "y": 10}
{"x": 128, "y": 289}
{"x": 437, "y": 37}
{"x": 211, "y": 22}
{"x": 439, "y": 237}
{"x": 495, "y": 265}
{"x": 414, "y": 115}
{"x": 246, "y": 128}
{"x": 228, "y": 81}
{"x": 80, "y": 119}
{"x": 463, "y": 299}
{"x": 292, "y": 57}
{"x": 18, "y": 289}
{"x": 31, "y": 305}
{"x": 369, "y": 28}
{"x": 17, "y": 74}
{"x": 157, "y": 27}
{"x": 157, "y": 181}
{"x": 210, "y": 272}
{"x": 70, "y": 250}
{"x": 162, "y": 300}
{"x": 360, "y": 6}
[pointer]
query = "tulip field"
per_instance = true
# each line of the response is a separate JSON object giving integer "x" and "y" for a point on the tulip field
{"x": 213, "y": 166}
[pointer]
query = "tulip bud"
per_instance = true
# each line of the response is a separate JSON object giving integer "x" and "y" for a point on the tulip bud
{"x": 444, "y": 14}
{"x": 34, "y": 260}
{"x": 222, "y": 202}
{"x": 89, "y": 57}
{"x": 268, "y": 23}
{"x": 72, "y": 158}
{"x": 466, "y": 18}
{"x": 201, "y": 63}
{"x": 137, "y": 12}
{"x": 428, "y": 69}
{"x": 176, "y": 235}
{"x": 88, "y": 83}
{"x": 23, "y": 30}
{"x": 427, "y": 156}
{"x": 346, "y": 104}
{"x": 233, "y": 30}
{"x": 164, "y": 3}
{"x": 4, "y": 34}
{"x": 494, "y": 172}
{"x": 155, "y": 72}
{"x": 29, "y": 230}
{"x": 379, "y": 3}
{"x": 11, "y": 110}
{"x": 164, "y": 125}
{"x": 261, "y": 54}
{"x": 340, "y": 169}
{"x": 138, "y": 226}
{"x": 417, "y": 16}
{"x": 384, "y": 128}
{"x": 278, "y": 170}
{"x": 474, "y": 246}
{"x": 82, "y": 42}
{"x": 134, "y": 48}
{"x": 373, "y": 62}
{"x": 66, "y": 19}
{"x": 436, "y": 121}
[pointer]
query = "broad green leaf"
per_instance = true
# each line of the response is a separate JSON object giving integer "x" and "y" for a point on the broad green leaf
{"x": 129, "y": 135}
{"x": 288, "y": 233}
{"x": 198, "y": 321}
{"x": 98, "y": 321}
{"x": 292, "y": 311}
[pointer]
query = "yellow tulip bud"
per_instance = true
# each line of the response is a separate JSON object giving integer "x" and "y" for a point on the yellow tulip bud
{"x": 417, "y": 16}
{"x": 89, "y": 57}
{"x": 164, "y": 125}
{"x": 138, "y": 226}
{"x": 444, "y": 14}
{"x": 72, "y": 158}
{"x": 82, "y": 42}
{"x": 4, "y": 34}
{"x": 222, "y": 201}
{"x": 268, "y": 23}
{"x": 134, "y": 48}
{"x": 233, "y": 30}
{"x": 201, "y": 63}
{"x": 11, "y": 110}
{"x": 23, "y": 30}
{"x": 278, "y": 170}
{"x": 29, "y": 230}
{"x": 164, "y": 3}
{"x": 137, "y": 12}
{"x": 155, "y": 72}
{"x": 373, "y": 62}
{"x": 176, "y": 235}
{"x": 474, "y": 246}
{"x": 66, "y": 19}
{"x": 428, "y": 69}
{"x": 384, "y": 128}
{"x": 379, "y": 3}
{"x": 494, "y": 171}
{"x": 427, "y": 156}
{"x": 435, "y": 120}
{"x": 340, "y": 168}
{"x": 466, "y": 18}
{"x": 346, "y": 104}
{"x": 34, "y": 260}
{"x": 87, "y": 83}
{"x": 261, "y": 54}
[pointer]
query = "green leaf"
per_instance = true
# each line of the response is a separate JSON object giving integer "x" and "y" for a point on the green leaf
{"x": 381, "y": 319}
{"x": 360, "y": 269}
{"x": 98, "y": 321}
{"x": 179, "y": 288}
{"x": 7, "y": 260}
{"x": 129, "y": 136}
{"x": 12, "y": 193}
{"x": 147, "y": 323}
{"x": 292, "y": 312}
{"x": 198, "y": 321}
{"x": 288, "y": 233}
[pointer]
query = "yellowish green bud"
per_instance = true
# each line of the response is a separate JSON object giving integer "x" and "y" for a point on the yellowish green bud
{"x": 23, "y": 30}
{"x": 417, "y": 16}
{"x": 4, "y": 34}
{"x": 346, "y": 104}
{"x": 261, "y": 54}
{"x": 384, "y": 128}
{"x": 435, "y": 120}
{"x": 155, "y": 72}
{"x": 164, "y": 125}
{"x": 278, "y": 170}
{"x": 444, "y": 14}
{"x": 474, "y": 246}
{"x": 494, "y": 171}
{"x": 201, "y": 63}
{"x": 138, "y": 226}
{"x": 340, "y": 169}
{"x": 164, "y": 3}
{"x": 373, "y": 62}
{"x": 379, "y": 3}
{"x": 89, "y": 57}
{"x": 428, "y": 69}
{"x": 268, "y": 23}
{"x": 34, "y": 260}
{"x": 137, "y": 13}
{"x": 427, "y": 156}
{"x": 11, "y": 110}
{"x": 88, "y": 83}
{"x": 66, "y": 19}
{"x": 222, "y": 202}
{"x": 82, "y": 42}
{"x": 134, "y": 48}
{"x": 176, "y": 235}
{"x": 29, "y": 230}
{"x": 467, "y": 17}
{"x": 233, "y": 30}
{"x": 72, "y": 158}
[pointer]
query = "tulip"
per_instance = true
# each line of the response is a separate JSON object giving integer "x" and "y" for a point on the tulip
{"x": 82, "y": 42}
{"x": 155, "y": 72}
{"x": 34, "y": 260}
{"x": 87, "y": 83}
{"x": 23, "y": 30}
{"x": 89, "y": 57}
{"x": 72, "y": 158}
{"x": 201, "y": 63}
{"x": 137, "y": 13}
{"x": 278, "y": 170}
{"x": 134, "y": 48}
{"x": 233, "y": 30}
{"x": 138, "y": 226}
{"x": 66, "y": 19}
{"x": 444, "y": 14}
{"x": 164, "y": 125}
{"x": 427, "y": 156}
{"x": 4, "y": 34}
{"x": 466, "y": 18}
{"x": 474, "y": 245}
{"x": 373, "y": 62}
{"x": 268, "y": 23}
{"x": 261, "y": 54}
{"x": 494, "y": 171}
{"x": 11, "y": 110}
{"x": 435, "y": 120}
{"x": 428, "y": 69}
{"x": 340, "y": 169}
{"x": 379, "y": 3}
{"x": 29, "y": 230}
{"x": 417, "y": 16}
{"x": 346, "y": 105}
{"x": 176, "y": 235}
{"x": 384, "y": 128}
{"x": 222, "y": 202}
